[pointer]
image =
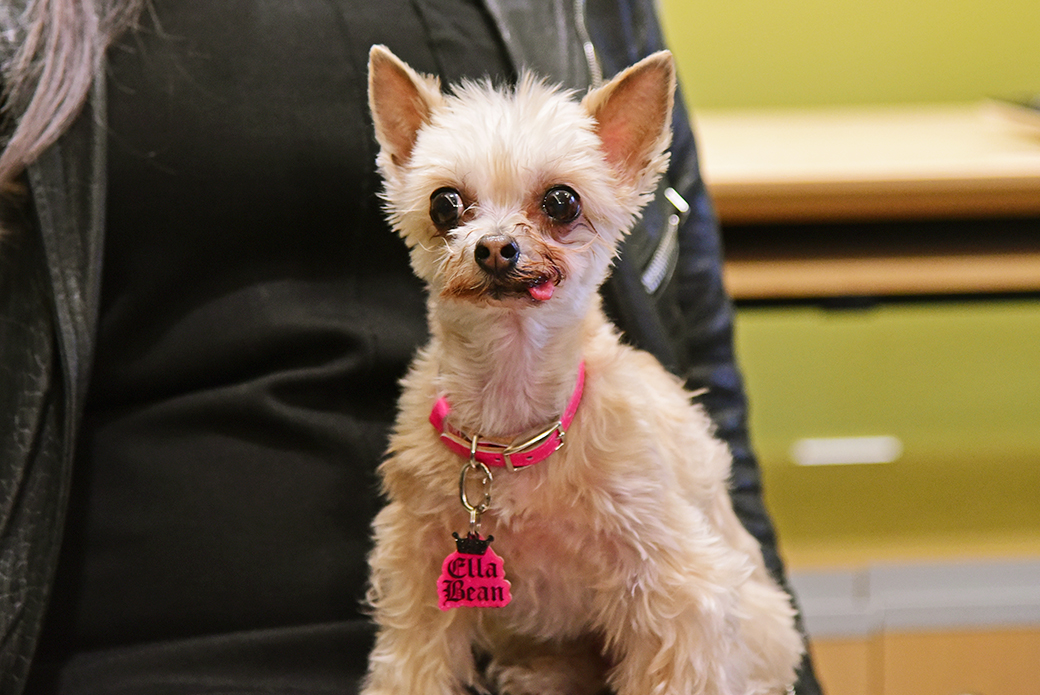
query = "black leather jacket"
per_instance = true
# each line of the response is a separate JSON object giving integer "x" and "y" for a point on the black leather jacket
{"x": 666, "y": 294}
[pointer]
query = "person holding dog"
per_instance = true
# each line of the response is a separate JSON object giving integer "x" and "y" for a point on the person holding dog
{"x": 202, "y": 327}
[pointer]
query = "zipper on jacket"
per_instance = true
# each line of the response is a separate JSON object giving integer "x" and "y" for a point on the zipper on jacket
{"x": 595, "y": 72}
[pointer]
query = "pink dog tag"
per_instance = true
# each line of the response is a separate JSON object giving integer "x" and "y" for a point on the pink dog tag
{"x": 473, "y": 576}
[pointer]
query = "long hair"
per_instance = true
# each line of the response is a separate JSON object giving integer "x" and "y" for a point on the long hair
{"x": 59, "y": 48}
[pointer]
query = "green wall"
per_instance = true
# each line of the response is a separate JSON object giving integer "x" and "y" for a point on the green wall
{"x": 753, "y": 53}
{"x": 956, "y": 382}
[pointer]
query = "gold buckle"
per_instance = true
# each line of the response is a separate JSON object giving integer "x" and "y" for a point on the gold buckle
{"x": 531, "y": 443}
{"x": 508, "y": 451}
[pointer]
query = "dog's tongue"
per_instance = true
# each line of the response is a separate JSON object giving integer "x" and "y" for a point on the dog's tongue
{"x": 543, "y": 291}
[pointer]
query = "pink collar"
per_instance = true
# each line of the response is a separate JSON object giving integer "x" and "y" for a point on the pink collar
{"x": 536, "y": 449}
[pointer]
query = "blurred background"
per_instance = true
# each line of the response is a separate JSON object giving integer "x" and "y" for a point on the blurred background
{"x": 880, "y": 201}
{"x": 804, "y": 52}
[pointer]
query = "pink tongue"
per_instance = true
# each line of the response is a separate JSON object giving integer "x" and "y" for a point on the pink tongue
{"x": 542, "y": 291}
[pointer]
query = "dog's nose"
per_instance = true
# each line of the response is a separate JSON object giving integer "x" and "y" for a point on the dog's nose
{"x": 497, "y": 253}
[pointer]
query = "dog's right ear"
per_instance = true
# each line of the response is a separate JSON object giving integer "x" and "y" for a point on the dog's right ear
{"x": 401, "y": 101}
{"x": 633, "y": 114}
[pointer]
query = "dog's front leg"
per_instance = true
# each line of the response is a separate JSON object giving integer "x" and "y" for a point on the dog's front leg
{"x": 673, "y": 631}
{"x": 674, "y": 654}
{"x": 420, "y": 649}
{"x": 433, "y": 658}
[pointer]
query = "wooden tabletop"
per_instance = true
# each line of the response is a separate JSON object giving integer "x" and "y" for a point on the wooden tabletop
{"x": 881, "y": 162}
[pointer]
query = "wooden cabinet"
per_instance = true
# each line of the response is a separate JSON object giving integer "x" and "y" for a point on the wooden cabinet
{"x": 886, "y": 267}
{"x": 784, "y": 173}
{"x": 978, "y": 662}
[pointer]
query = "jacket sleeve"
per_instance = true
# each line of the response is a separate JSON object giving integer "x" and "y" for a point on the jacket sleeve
{"x": 49, "y": 286}
{"x": 688, "y": 322}
{"x": 31, "y": 444}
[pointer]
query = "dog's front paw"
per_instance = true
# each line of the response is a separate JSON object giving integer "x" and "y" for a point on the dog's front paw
{"x": 547, "y": 677}
{"x": 538, "y": 669}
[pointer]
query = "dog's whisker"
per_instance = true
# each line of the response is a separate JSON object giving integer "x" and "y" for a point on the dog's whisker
{"x": 592, "y": 241}
{"x": 443, "y": 249}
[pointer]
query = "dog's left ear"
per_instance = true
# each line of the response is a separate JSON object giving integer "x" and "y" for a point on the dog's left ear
{"x": 633, "y": 114}
{"x": 401, "y": 101}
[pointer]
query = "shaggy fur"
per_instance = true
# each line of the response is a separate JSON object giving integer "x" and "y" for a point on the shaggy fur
{"x": 629, "y": 569}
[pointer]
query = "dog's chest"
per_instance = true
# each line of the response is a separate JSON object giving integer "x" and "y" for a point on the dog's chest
{"x": 552, "y": 556}
{"x": 550, "y": 584}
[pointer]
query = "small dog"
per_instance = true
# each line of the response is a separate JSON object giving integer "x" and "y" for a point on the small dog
{"x": 618, "y": 562}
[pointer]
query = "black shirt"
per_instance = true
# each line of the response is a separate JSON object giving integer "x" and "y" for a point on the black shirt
{"x": 256, "y": 315}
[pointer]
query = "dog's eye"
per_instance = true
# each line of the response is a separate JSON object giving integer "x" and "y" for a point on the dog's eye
{"x": 446, "y": 208}
{"x": 561, "y": 204}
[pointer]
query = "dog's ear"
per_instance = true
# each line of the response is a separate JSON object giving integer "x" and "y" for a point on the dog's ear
{"x": 401, "y": 101}
{"x": 633, "y": 114}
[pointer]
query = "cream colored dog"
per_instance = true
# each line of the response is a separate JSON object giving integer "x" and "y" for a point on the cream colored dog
{"x": 615, "y": 544}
